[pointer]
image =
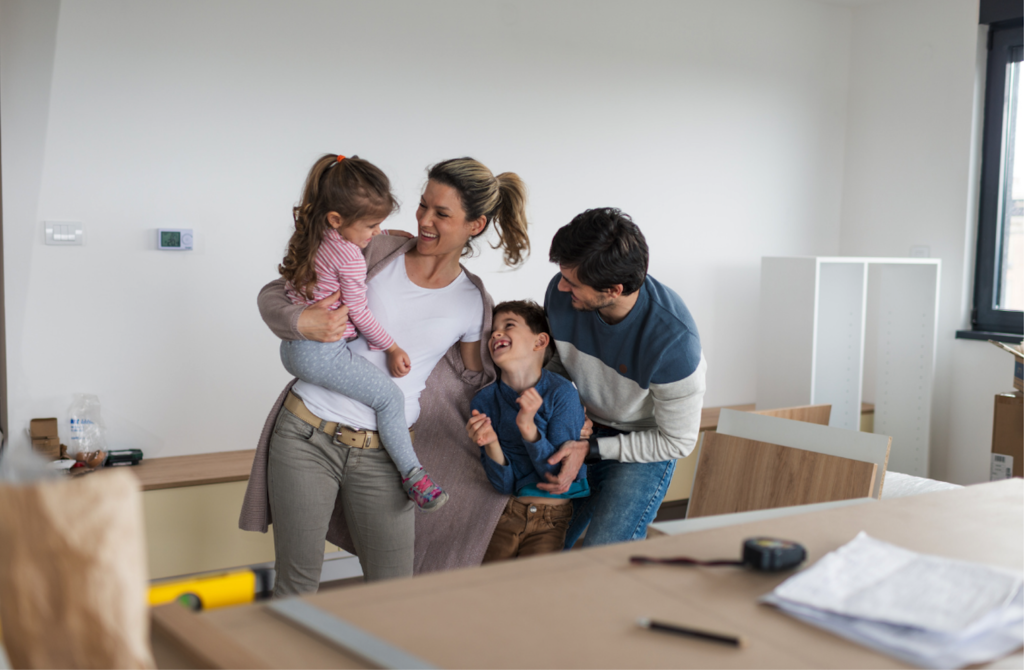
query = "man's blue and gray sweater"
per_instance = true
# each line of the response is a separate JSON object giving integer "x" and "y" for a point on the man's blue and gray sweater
{"x": 644, "y": 375}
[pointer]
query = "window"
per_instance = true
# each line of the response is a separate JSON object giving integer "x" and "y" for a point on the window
{"x": 999, "y": 273}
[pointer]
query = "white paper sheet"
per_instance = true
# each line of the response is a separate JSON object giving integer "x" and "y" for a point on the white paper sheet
{"x": 870, "y": 579}
{"x": 926, "y": 610}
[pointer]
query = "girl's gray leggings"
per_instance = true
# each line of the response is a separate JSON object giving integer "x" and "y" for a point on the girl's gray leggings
{"x": 333, "y": 366}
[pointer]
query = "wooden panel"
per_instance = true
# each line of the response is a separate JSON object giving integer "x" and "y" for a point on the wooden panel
{"x": 866, "y": 447}
{"x": 739, "y": 475}
{"x": 174, "y": 471}
{"x": 682, "y": 481}
{"x": 709, "y": 415}
{"x": 808, "y": 413}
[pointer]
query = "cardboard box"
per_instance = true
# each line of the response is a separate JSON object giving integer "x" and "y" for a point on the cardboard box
{"x": 44, "y": 437}
{"x": 1008, "y": 437}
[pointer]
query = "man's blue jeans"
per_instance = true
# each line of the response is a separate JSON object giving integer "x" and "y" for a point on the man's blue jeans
{"x": 624, "y": 499}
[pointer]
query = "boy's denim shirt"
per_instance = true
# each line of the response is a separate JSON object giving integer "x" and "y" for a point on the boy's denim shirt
{"x": 559, "y": 419}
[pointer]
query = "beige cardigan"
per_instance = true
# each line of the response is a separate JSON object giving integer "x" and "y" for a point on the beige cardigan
{"x": 456, "y": 535}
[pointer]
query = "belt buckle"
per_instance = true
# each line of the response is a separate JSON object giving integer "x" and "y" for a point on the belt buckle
{"x": 367, "y": 439}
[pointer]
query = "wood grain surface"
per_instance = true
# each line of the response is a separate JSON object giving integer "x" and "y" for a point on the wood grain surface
{"x": 818, "y": 414}
{"x": 738, "y": 475}
{"x": 578, "y": 609}
{"x": 175, "y": 471}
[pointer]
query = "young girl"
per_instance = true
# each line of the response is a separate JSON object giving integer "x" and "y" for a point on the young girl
{"x": 343, "y": 204}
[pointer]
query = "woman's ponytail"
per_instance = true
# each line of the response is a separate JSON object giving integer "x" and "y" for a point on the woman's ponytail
{"x": 510, "y": 218}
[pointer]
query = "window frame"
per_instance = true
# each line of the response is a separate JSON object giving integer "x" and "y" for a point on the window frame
{"x": 985, "y": 317}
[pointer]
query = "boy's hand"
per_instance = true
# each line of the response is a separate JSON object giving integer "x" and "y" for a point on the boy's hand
{"x": 398, "y": 361}
{"x": 480, "y": 430}
{"x": 529, "y": 402}
{"x": 482, "y": 433}
{"x": 587, "y": 430}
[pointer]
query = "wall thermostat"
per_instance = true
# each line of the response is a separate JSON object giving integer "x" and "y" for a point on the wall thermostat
{"x": 174, "y": 239}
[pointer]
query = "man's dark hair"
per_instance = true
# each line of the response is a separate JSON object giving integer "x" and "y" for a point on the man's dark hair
{"x": 605, "y": 248}
{"x": 534, "y": 316}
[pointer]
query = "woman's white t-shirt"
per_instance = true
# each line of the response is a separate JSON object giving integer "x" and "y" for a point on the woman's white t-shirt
{"x": 425, "y": 322}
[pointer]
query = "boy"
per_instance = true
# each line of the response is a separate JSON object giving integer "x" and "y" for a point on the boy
{"x": 519, "y": 422}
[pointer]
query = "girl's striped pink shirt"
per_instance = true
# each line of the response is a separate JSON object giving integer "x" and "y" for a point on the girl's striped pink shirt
{"x": 340, "y": 264}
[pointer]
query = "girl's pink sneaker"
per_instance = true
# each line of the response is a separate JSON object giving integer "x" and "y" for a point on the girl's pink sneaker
{"x": 422, "y": 490}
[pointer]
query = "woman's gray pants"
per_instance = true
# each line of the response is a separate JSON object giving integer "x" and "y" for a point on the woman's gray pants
{"x": 307, "y": 471}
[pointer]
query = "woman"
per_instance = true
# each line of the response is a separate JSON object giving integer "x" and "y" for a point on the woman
{"x": 304, "y": 464}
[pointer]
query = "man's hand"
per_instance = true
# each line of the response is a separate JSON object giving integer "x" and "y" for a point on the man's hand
{"x": 398, "y": 361}
{"x": 570, "y": 455}
{"x": 320, "y": 324}
{"x": 529, "y": 402}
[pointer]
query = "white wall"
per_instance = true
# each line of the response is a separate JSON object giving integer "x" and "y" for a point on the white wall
{"x": 719, "y": 125}
{"x": 910, "y": 178}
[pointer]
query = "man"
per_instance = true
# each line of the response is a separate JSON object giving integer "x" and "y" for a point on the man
{"x": 632, "y": 349}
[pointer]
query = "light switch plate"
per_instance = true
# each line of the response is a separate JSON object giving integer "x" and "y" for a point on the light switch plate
{"x": 64, "y": 233}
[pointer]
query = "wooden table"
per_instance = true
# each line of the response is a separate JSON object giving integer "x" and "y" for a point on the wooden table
{"x": 578, "y": 609}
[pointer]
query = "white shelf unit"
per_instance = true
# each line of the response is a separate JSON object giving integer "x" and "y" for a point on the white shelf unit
{"x": 812, "y": 334}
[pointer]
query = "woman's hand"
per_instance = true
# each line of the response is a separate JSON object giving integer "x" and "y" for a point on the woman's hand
{"x": 320, "y": 324}
{"x": 398, "y": 361}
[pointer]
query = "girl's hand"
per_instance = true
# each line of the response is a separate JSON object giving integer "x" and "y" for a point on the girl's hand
{"x": 320, "y": 324}
{"x": 480, "y": 430}
{"x": 399, "y": 233}
{"x": 398, "y": 361}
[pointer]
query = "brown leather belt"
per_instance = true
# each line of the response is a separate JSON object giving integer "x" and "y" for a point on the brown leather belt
{"x": 358, "y": 439}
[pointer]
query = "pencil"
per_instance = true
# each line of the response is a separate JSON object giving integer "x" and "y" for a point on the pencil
{"x": 731, "y": 640}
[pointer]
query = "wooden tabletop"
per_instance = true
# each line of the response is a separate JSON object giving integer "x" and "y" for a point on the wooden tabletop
{"x": 176, "y": 471}
{"x": 578, "y": 609}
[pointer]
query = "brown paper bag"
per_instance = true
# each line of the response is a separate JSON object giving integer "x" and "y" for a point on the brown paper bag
{"x": 73, "y": 589}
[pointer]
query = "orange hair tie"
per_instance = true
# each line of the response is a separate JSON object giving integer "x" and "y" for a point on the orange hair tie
{"x": 340, "y": 158}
